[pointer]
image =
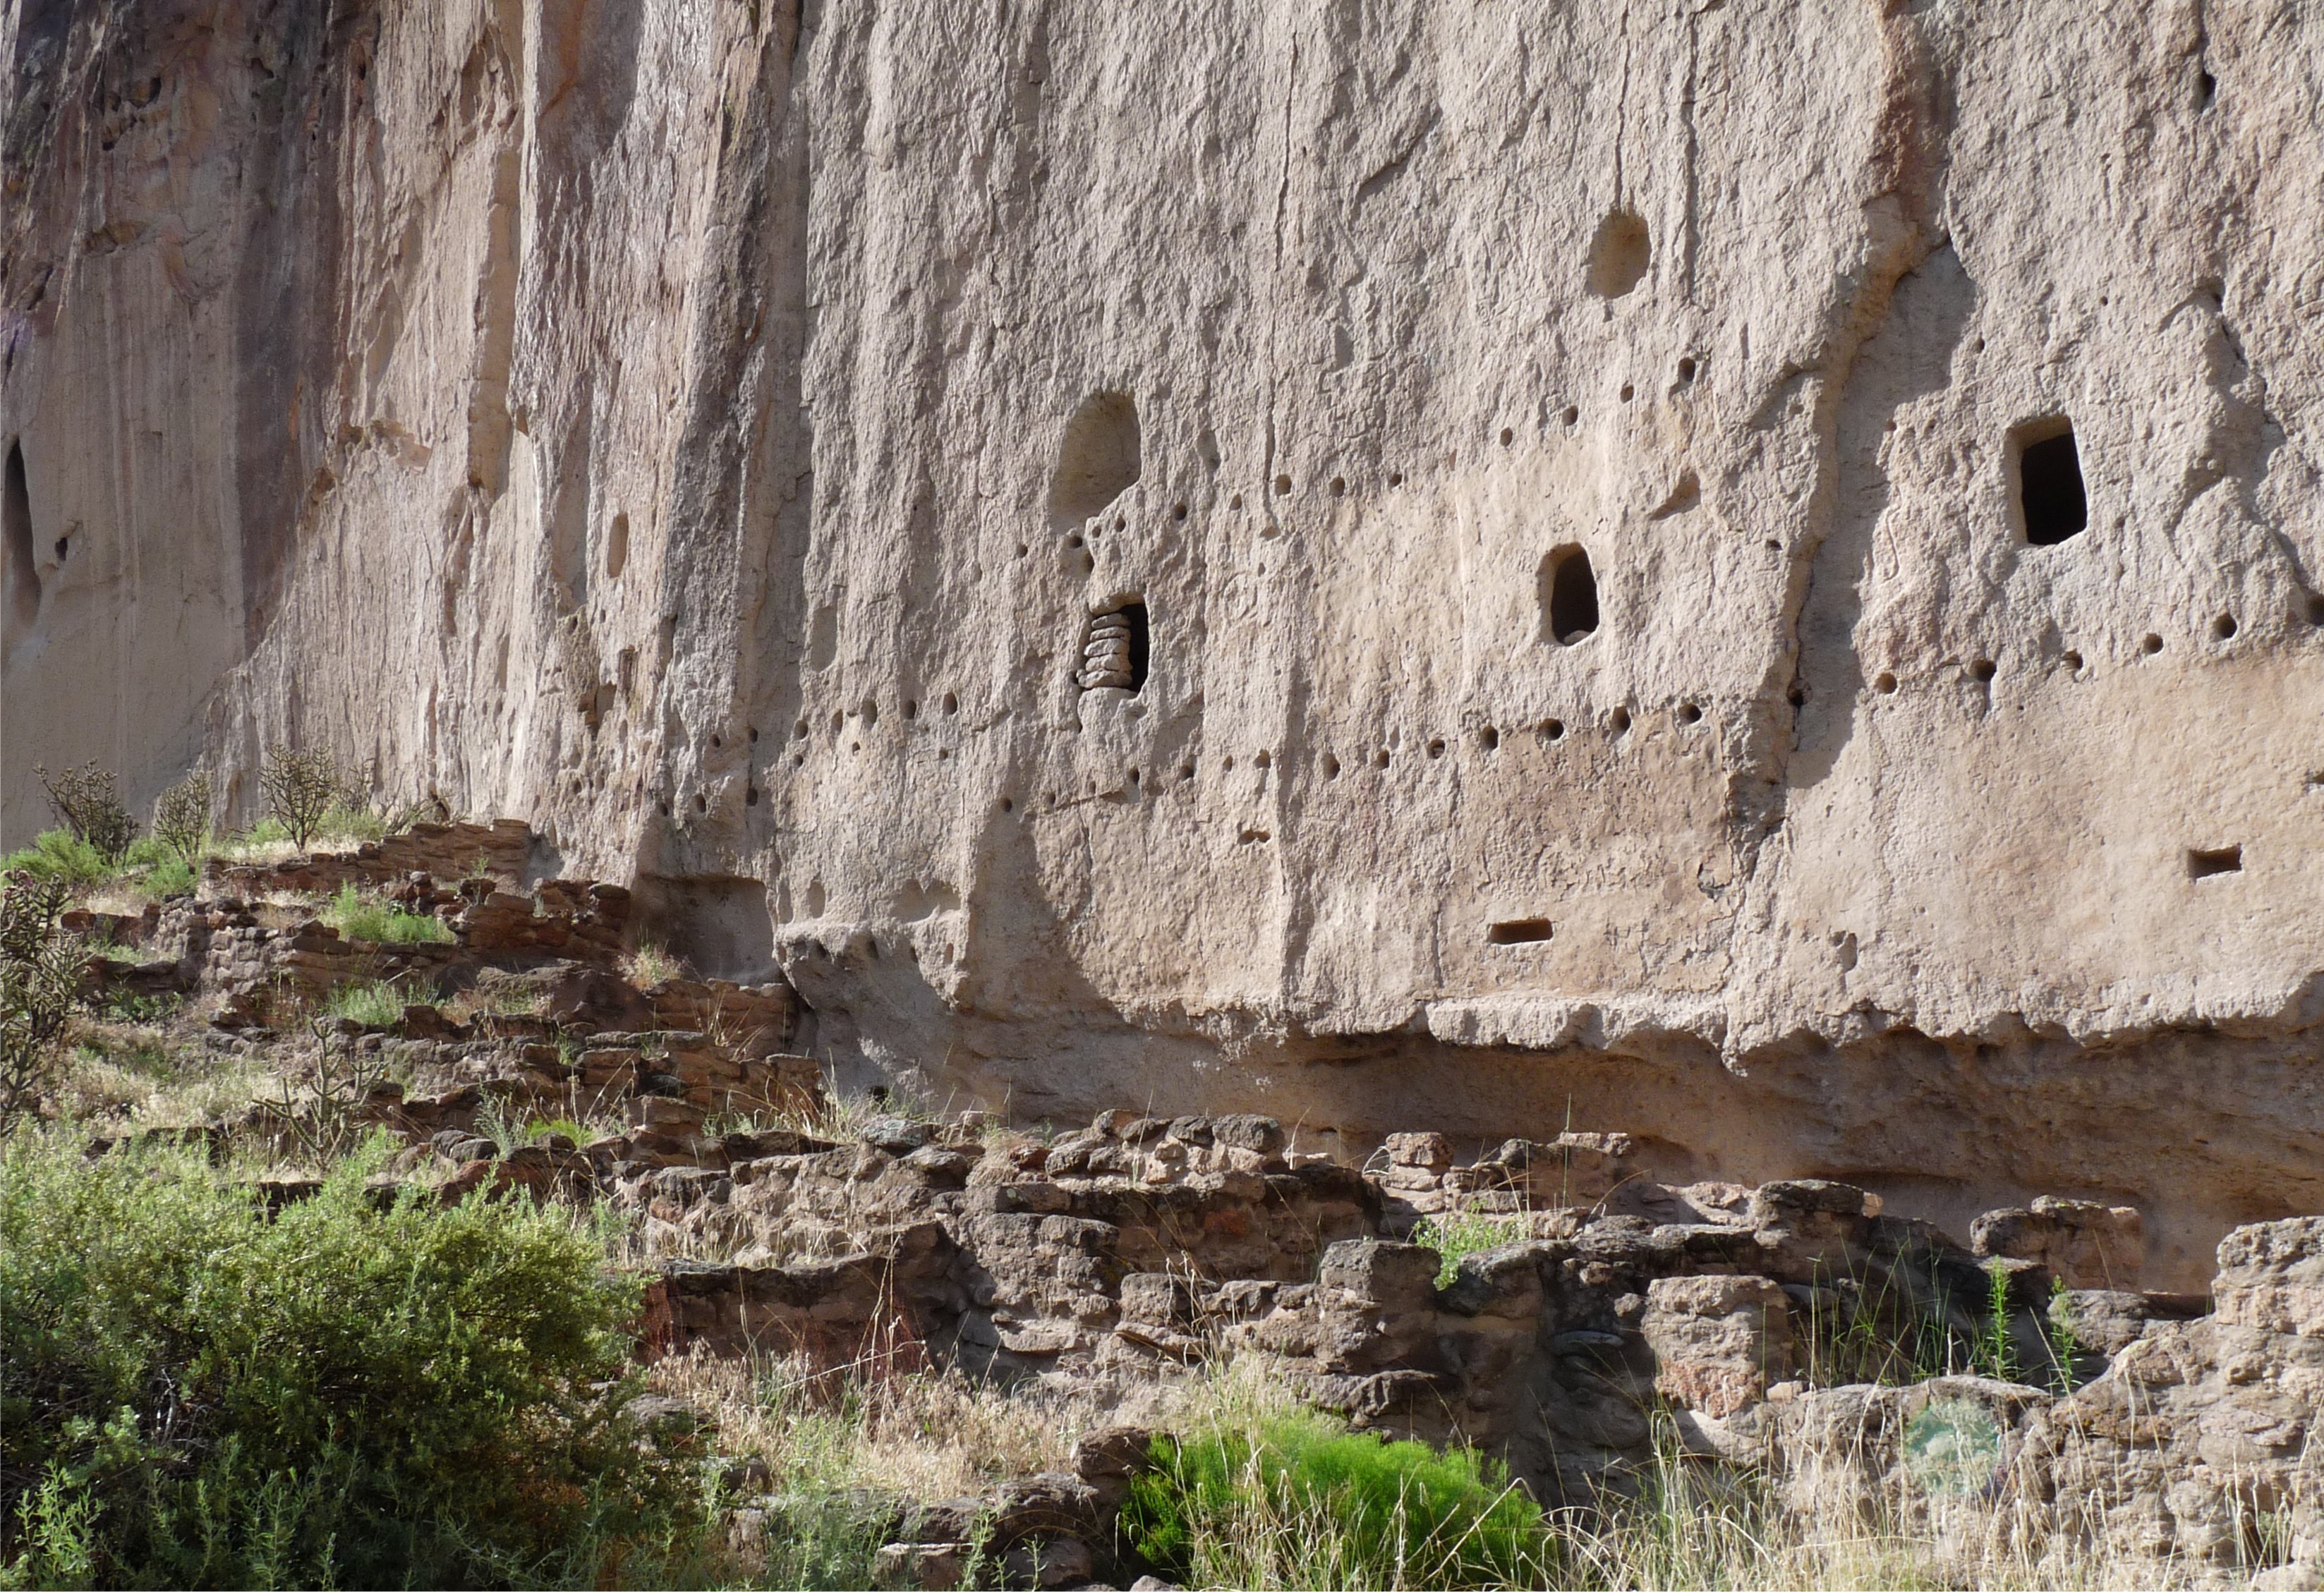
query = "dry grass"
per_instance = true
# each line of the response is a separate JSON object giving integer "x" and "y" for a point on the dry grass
{"x": 930, "y": 1434}
{"x": 649, "y": 964}
{"x": 155, "y": 1074}
{"x": 1694, "y": 1524}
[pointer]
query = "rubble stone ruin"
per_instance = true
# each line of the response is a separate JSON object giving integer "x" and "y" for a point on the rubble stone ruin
{"x": 1747, "y": 578}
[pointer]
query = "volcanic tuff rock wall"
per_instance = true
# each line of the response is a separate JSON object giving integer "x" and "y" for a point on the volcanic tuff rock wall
{"x": 756, "y": 445}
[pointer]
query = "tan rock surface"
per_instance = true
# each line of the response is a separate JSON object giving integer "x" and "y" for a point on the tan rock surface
{"x": 732, "y": 440}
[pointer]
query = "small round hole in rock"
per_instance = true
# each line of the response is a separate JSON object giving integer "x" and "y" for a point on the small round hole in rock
{"x": 1437, "y": 748}
{"x": 2151, "y": 644}
{"x": 1007, "y": 805}
{"x": 1396, "y": 478}
{"x": 1261, "y": 760}
{"x": 1283, "y": 486}
{"x": 1187, "y": 769}
{"x": 750, "y": 796}
{"x": 1331, "y": 767}
{"x": 1573, "y": 414}
{"x": 1235, "y": 501}
{"x": 1619, "y": 721}
{"x": 2315, "y": 608}
{"x": 1688, "y": 713}
{"x": 2073, "y": 660}
{"x": 1884, "y": 682}
{"x": 1339, "y": 486}
{"x": 1981, "y": 670}
{"x": 1552, "y": 729}
{"x": 701, "y": 802}
{"x": 1685, "y": 370}
{"x": 911, "y": 708}
{"x": 1507, "y": 435}
{"x": 2224, "y": 626}
{"x": 951, "y": 703}
{"x": 1178, "y": 510}
{"x": 1629, "y": 392}
{"x": 1489, "y": 738}
{"x": 1380, "y": 759}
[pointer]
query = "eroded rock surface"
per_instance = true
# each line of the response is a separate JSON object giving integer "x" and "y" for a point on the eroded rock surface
{"x": 1752, "y": 576}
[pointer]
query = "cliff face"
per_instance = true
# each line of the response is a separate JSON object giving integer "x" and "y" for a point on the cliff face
{"x": 1746, "y": 573}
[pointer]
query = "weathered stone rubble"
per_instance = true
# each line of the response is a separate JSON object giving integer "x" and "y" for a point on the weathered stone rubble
{"x": 1138, "y": 1246}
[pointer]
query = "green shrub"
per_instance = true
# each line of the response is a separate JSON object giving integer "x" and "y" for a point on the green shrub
{"x": 173, "y": 876}
{"x": 193, "y": 1395}
{"x": 59, "y": 854}
{"x": 1301, "y": 1502}
{"x": 1460, "y": 1234}
{"x": 367, "y": 917}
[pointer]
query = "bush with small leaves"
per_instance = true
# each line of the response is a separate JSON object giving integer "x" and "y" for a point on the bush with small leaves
{"x": 348, "y": 1393}
{"x": 88, "y": 803}
{"x": 301, "y": 788}
{"x": 182, "y": 816}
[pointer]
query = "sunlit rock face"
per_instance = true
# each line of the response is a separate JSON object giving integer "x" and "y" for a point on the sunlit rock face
{"x": 1745, "y": 574}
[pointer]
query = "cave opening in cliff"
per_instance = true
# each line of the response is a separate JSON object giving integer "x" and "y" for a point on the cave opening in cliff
{"x": 1569, "y": 595}
{"x": 1618, "y": 255}
{"x": 1115, "y": 648}
{"x": 16, "y": 525}
{"x": 1099, "y": 459}
{"x": 2050, "y": 494}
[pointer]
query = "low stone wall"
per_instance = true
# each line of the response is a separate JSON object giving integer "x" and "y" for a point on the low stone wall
{"x": 501, "y": 849}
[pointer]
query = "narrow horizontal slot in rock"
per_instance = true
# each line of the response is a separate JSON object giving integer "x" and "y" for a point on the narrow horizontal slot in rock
{"x": 1518, "y": 930}
{"x": 2201, "y": 864}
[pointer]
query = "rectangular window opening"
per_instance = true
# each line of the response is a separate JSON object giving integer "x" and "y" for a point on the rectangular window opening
{"x": 2209, "y": 864}
{"x": 1518, "y": 930}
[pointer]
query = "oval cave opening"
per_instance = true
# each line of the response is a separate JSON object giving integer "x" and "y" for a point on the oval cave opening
{"x": 1618, "y": 255}
{"x": 1569, "y": 595}
{"x": 16, "y": 528}
{"x": 1098, "y": 461}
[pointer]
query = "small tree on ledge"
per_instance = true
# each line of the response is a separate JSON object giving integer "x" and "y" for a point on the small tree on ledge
{"x": 301, "y": 787}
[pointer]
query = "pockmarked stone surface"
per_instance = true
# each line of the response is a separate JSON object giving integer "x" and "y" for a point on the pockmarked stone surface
{"x": 1751, "y": 576}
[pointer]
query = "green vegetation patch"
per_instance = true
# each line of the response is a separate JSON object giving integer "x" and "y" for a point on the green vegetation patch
{"x": 359, "y": 917}
{"x": 195, "y": 1395}
{"x": 1301, "y": 1502}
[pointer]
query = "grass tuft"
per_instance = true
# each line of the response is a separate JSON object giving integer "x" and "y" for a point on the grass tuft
{"x": 368, "y": 918}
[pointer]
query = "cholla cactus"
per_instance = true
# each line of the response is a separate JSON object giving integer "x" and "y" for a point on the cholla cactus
{"x": 182, "y": 816}
{"x": 40, "y": 981}
{"x": 86, "y": 803}
{"x": 301, "y": 788}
